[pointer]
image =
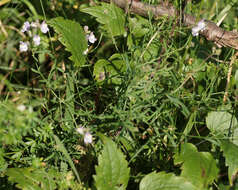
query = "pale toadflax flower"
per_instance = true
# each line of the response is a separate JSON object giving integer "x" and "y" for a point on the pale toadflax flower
{"x": 88, "y": 138}
{"x": 26, "y": 26}
{"x": 85, "y": 28}
{"x": 86, "y": 51}
{"x": 44, "y": 27}
{"x": 23, "y": 46}
{"x": 35, "y": 24}
{"x": 91, "y": 38}
{"x": 21, "y": 107}
{"x": 200, "y": 27}
{"x": 80, "y": 130}
{"x": 36, "y": 40}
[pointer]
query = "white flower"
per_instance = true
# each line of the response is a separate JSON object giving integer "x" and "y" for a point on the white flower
{"x": 200, "y": 27}
{"x": 21, "y": 107}
{"x": 23, "y": 46}
{"x": 34, "y": 24}
{"x": 88, "y": 138}
{"x": 80, "y": 130}
{"x": 85, "y": 52}
{"x": 91, "y": 38}
{"x": 44, "y": 27}
{"x": 26, "y": 26}
{"x": 86, "y": 29}
{"x": 36, "y": 40}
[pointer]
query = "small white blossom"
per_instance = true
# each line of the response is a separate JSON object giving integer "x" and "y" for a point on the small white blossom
{"x": 36, "y": 40}
{"x": 21, "y": 107}
{"x": 26, "y": 26}
{"x": 200, "y": 27}
{"x": 86, "y": 29}
{"x": 80, "y": 130}
{"x": 88, "y": 138}
{"x": 34, "y": 24}
{"x": 91, "y": 38}
{"x": 23, "y": 46}
{"x": 44, "y": 27}
{"x": 85, "y": 52}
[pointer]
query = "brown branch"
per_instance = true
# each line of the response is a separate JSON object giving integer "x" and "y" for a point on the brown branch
{"x": 212, "y": 32}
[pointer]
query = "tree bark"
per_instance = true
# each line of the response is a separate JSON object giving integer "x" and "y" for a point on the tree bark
{"x": 212, "y": 32}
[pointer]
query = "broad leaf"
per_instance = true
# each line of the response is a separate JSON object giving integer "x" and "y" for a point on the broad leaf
{"x": 109, "y": 70}
{"x": 112, "y": 171}
{"x": 72, "y": 37}
{"x": 109, "y": 15}
{"x": 29, "y": 178}
{"x": 230, "y": 152}
{"x": 40, "y": 178}
{"x": 197, "y": 167}
{"x": 220, "y": 121}
{"x": 163, "y": 181}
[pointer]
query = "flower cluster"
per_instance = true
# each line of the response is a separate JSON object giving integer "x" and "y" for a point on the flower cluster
{"x": 90, "y": 37}
{"x": 31, "y": 30}
{"x": 88, "y": 138}
{"x": 201, "y": 25}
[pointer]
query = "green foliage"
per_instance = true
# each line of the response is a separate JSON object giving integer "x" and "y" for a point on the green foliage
{"x": 197, "y": 167}
{"x": 37, "y": 179}
{"x": 72, "y": 36}
{"x": 112, "y": 171}
{"x": 220, "y": 121}
{"x": 15, "y": 123}
{"x": 230, "y": 152}
{"x": 109, "y": 70}
{"x": 163, "y": 181}
{"x": 109, "y": 15}
{"x": 147, "y": 84}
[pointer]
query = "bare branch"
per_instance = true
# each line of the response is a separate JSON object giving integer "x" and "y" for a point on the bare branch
{"x": 212, "y": 32}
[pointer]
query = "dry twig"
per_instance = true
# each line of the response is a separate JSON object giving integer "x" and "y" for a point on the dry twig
{"x": 212, "y": 32}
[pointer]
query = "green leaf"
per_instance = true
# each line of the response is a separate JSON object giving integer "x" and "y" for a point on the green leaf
{"x": 197, "y": 167}
{"x": 29, "y": 178}
{"x": 112, "y": 171}
{"x": 72, "y": 37}
{"x": 112, "y": 17}
{"x": 40, "y": 178}
{"x": 220, "y": 121}
{"x": 163, "y": 181}
{"x": 230, "y": 152}
{"x": 109, "y": 70}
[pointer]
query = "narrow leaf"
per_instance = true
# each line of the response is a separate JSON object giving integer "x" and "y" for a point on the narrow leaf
{"x": 72, "y": 37}
{"x": 112, "y": 171}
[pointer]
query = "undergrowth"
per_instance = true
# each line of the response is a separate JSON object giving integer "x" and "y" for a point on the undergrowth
{"x": 112, "y": 100}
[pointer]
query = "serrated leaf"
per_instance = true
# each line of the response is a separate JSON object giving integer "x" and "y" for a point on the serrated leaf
{"x": 112, "y": 171}
{"x": 230, "y": 152}
{"x": 111, "y": 16}
{"x": 220, "y": 121}
{"x": 72, "y": 37}
{"x": 109, "y": 70}
{"x": 165, "y": 181}
{"x": 197, "y": 167}
{"x": 29, "y": 178}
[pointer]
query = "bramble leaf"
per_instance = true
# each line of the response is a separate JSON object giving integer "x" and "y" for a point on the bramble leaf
{"x": 72, "y": 37}
{"x": 197, "y": 167}
{"x": 112, "y": 171}
{"x": 109, "y": 15}
{"x": 165, "y": 181}
{"x": 230, "y": 152}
